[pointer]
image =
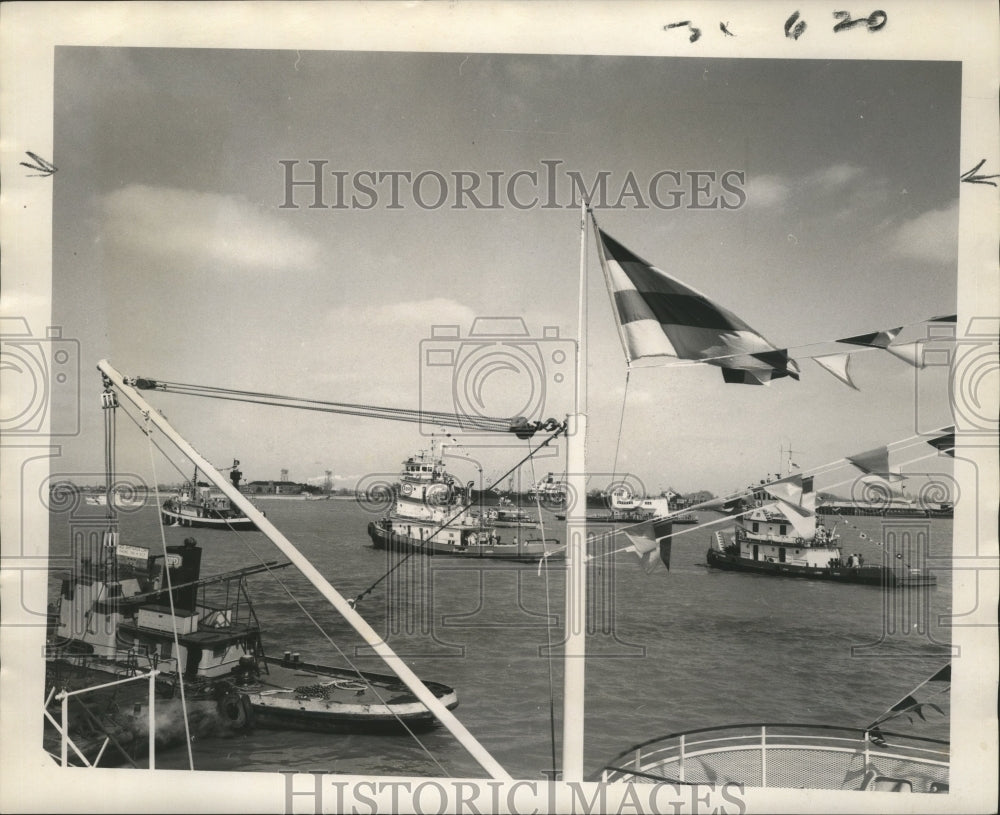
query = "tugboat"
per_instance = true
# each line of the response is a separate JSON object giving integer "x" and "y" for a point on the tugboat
{"x": 626, "y": 508}
{"x": 508, "y": 514}
{"x": 769, "y": 542}
{"x": 432, "y": 514}
{"x": 117, "y": 618}
{"x": 199, "y": 505}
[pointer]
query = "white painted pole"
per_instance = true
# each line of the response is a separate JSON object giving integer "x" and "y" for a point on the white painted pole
{"x": 574, "y": 674}
{"x": 370, "y": 636}
{"x": 152, "y": 715}
{"x": 65, "y": 731}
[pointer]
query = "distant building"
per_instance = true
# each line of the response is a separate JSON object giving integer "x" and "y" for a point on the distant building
{"x": 674, "y": 498}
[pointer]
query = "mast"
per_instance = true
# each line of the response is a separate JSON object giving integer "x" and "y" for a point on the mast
{"x": 576, "y": 545}
{"x": 370, "y": 636}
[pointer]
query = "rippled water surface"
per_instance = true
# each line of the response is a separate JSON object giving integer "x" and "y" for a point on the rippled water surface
{"x": 666, "y": 652}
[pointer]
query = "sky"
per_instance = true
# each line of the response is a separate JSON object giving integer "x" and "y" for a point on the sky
{"x": 175, "y": 259}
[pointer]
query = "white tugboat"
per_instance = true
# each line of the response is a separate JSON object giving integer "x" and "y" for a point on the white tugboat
{"x": 771, "y": 542}
{"x": 784, "y": 538}
{"x": 433, "y": 514}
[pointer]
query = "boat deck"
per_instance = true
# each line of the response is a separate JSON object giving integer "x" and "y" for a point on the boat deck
{"x": 786, "y": 756}
{"x": 316, "y": 697}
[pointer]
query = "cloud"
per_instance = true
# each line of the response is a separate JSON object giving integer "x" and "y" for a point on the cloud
{"x": 413, "y": 314}
{"x": 228, "y": 232}
{"x": 767, "y": 191}
{"x": 773, "y": 191}
{"x": 931, "y": 237}
{"x": 835, "y": 177}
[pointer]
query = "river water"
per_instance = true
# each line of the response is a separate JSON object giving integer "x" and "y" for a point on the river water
{"x": 667, "y": 651}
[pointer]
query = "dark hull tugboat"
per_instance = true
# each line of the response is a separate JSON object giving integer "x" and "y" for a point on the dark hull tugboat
{"x": 766, "y": 542}
{"x": 432, "y": 515}
{"x": 117, "y": 618}
{"x": 198, "y": 505}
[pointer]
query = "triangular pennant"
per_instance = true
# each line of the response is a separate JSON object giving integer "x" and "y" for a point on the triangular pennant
{"x": 801, "y": 519}
{"x": 651, "y": 542}
{"x": 945, "y": 443}
{"x": 877, "y": 339}
{"x": 787, "y": 489}
{"x": 838, "y": 365}
{"x": 910, "y": 352}
{"x": 904, "y": 704}
{"x": 727, "y": 506}
{"x": 874, "y": 461}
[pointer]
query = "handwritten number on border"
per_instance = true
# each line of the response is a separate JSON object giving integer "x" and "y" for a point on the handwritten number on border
{"x": 695, "y": 32}
{"x": 794, "y": 27}
{"x": 875, "y": 21}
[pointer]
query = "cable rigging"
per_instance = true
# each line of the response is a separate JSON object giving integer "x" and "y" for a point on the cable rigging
{"x": 518, "y": 425}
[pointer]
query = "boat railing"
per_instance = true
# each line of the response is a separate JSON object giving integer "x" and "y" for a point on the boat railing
{"x": 783, "y": 755}
{"x": 63, "y": 725}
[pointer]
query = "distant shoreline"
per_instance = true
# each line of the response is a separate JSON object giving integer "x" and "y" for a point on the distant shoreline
{"x": 300, "y": 497}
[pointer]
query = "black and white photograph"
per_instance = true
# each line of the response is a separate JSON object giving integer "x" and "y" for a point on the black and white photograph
{"x": 499, "y": 407}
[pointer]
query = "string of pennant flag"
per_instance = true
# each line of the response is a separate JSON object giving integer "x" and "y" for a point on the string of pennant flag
{"x": 659, "y": 316}
{"x": 793, "y": 495}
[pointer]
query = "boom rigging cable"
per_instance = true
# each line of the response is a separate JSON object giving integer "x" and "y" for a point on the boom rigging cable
{"x": 544, "y": 564}
{"x": 518, "y": 425}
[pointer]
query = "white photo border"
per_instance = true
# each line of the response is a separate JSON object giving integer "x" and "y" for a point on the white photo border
{"x": 29, "y": 33}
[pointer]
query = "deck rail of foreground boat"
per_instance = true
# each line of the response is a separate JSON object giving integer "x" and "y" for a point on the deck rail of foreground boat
{"x": 786, "y": 755}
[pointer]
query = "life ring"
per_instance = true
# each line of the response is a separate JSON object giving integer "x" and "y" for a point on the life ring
{"x": 406, "y": 489}
{"x": 237, "y": 710}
